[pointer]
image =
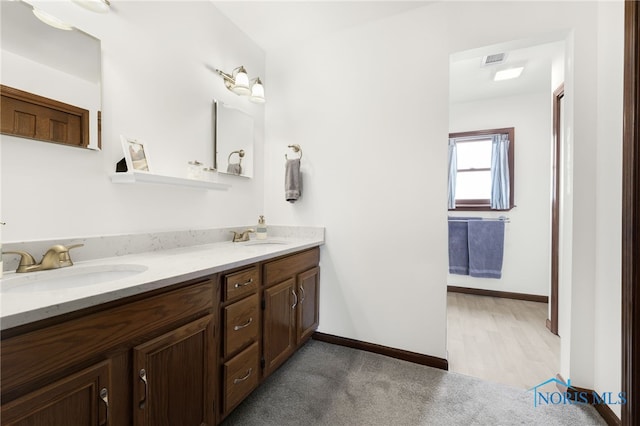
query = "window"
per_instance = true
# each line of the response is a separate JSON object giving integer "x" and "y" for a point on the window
{"x": 475, "y": 172}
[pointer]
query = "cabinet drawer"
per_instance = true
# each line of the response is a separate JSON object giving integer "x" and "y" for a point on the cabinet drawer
{"x": 240, "y": 376}
{"x": 279, "y": 270}
{"x": 241, "y": 324}
{"x": 241, "y": 283}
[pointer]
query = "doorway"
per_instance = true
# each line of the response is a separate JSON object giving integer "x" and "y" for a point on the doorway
{"x": 518, "y": 301}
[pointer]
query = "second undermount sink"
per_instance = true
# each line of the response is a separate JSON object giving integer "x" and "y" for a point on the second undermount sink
{"x": 264, "y": 242}
{"x": 68, "y": 278}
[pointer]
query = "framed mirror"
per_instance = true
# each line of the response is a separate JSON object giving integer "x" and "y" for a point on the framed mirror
{"x": 57, "y": 70}
{"x": 232, "y": 140}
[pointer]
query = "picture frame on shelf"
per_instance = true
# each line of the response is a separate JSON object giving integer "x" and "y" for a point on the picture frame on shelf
{"x": 136, "y": 154}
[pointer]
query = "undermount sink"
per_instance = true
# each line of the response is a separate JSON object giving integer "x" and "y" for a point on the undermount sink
{"x": 68, "y": 278}
{"x": 264, "y": 242}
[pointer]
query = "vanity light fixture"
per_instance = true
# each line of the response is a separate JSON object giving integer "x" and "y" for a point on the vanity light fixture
{"x": 238, "y": 82}
{"x": 51, "y": 20}
{"x": 99, "y": 6}
{"x": 508, "y": 74}
{"x": 257, "y": 91}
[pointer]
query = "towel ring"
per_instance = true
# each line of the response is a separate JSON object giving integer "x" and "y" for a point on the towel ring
{"x": 240, "y": 153}
{"x": 295, "y": 148}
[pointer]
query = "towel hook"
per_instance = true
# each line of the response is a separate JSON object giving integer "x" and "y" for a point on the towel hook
{"x": 295, "y": 148}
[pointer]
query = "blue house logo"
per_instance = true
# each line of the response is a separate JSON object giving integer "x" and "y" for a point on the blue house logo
{"x": 545, "y": 396}
{"x": 573, "y": 396}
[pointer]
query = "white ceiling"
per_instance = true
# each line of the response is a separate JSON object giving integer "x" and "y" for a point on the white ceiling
{"x": 274, "y": 24}
{"x": 470, "y": 81}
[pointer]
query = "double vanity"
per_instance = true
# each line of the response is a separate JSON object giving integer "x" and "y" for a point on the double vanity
{"x": 174, "y": 336}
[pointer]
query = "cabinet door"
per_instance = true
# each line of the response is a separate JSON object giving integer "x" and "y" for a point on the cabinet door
{"x": 308, "y": 293}
{"x": 279, "y": 324}
{"x": 173, "y": 377}
{"x": 80, "y": 399}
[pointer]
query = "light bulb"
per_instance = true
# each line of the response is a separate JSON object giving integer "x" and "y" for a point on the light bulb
{"x": 241, "y": 83}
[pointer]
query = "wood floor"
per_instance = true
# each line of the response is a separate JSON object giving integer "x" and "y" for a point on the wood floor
{"x": 501, "y": 340}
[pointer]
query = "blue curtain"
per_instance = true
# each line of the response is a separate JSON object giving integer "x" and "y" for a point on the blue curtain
{"x": 453, "y": 170}
{"x": 500, "y": 172}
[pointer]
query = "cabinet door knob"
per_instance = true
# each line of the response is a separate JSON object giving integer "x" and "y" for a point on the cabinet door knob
{"x": 246, "y": 324}
{"x": 295, "y": 299}
{"x": 143, "y": 376}
{"x": 242, "y": 379}
{"x": 302, "y": 296}
{"x": 104, "y": 396}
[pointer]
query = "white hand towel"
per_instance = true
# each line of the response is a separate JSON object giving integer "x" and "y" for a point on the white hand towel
{"x": 292, "y": 180}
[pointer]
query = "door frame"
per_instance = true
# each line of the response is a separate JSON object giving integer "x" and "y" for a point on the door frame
{"x": 631, "y": 215}
{"x": 552, "y": 322}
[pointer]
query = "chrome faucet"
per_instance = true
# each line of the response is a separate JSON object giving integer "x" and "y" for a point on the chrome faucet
{"x": 241, "y": 236}
{"x": 56, "y": 257}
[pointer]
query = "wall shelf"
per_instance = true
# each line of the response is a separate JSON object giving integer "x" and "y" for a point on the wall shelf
{"x": 143, "y": 177}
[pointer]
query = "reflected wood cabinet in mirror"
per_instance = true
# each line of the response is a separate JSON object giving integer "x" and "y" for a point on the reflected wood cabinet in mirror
{"x": 32, "y": 116}
{"x": 184, "y": 355}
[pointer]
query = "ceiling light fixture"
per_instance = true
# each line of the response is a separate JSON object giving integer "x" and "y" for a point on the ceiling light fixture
{"x": 508, "y": 74}
{"x": 98, "y": 6}
{"x": 51, "y": 20}
{"x": 238, "y": 82}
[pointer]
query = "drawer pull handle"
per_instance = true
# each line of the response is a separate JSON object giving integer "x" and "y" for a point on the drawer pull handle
{"x": 244, "y": 284}
{"x": 242, "y": 379}
{"x": 143, "y": 377}
{"x": 302, "y": 296}
{"x": 246, "y": 324}
{"x": 295, "y": 300}
{"x": 104, "y": 396}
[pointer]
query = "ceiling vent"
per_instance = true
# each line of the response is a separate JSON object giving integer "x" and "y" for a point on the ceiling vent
{"x": 494, "y": 59}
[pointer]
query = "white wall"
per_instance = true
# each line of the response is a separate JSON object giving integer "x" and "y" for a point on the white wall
{"x": 158, "y": 86}
{"x": 372, "y": 158}
{"x": 526, "y": 265}
{"x": 375, "y": 165}
{"x": 607, "y": 316}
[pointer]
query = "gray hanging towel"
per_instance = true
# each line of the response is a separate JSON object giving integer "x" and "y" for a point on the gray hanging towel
{"x": 292, "y": 180}
{"x": 234, "y": 168}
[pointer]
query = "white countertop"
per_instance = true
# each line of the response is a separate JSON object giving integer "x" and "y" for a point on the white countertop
{"x": 160, "y": 269}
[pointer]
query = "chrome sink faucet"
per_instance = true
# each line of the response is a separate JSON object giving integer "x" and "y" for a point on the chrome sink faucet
{"x": 241, "y": 236}
{"x": 56, "y": 257}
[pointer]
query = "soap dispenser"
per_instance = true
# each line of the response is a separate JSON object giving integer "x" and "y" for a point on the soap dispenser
{"x": 261, "y": 229}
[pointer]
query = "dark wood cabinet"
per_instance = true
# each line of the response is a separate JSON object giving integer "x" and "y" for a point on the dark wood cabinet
{"x": 240, "y": 316}
{"x": 308, "y": 287}
{"x": 279, "y": 324}
{"x": 173, "y": 384}
{"x": 32, "y": 116}
{"x": 291, "y": 313}
{"x": 186, "y": 355}
{"x": 77, "y": 369}
{"x": 80, "y": 399}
